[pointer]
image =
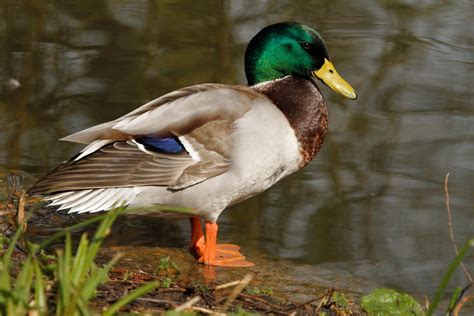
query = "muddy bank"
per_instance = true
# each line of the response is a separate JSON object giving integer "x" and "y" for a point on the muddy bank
{"x": 278, "y": 287}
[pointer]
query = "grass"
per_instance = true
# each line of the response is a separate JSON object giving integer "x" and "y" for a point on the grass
{"x": 264, "y": 290}
{"x": 447, "y": 276}
{"x": 15, "y": 291}
{"x": 68, "y": 279}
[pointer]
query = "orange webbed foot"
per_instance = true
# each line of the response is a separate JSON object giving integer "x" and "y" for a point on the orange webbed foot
{"x": 221, "y": 255}
{"x": 229, "y": 260}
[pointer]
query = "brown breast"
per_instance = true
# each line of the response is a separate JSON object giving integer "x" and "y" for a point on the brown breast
{"x": 304, "y": 107}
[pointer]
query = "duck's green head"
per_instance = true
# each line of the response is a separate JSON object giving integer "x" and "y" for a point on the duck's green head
{"x": 290, "y": 48}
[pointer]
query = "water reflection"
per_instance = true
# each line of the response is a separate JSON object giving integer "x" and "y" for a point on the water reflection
{"x": 373, "y": 199}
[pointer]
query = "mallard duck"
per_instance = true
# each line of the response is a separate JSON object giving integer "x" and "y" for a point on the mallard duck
{"x": 208, "y": 146}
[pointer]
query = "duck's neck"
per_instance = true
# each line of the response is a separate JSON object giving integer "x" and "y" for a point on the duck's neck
{"x": 304, "y": 107}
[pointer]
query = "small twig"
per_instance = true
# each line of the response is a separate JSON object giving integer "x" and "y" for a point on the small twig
{"x": 20, "y": 216}
{"x": 323, "y": 302}
{"x": 450, "y": 225}
{"x": 258, "y": 299}
{"x": 188, "y": 304}
{"x": 206, "y": 311}
{"x": 305, "y": 303}
{"x": 226, "y": 285}
{"x": 426, "y": 302}
{"x": 459, "y": 305}
{"x": 237, "y": 290}
{"x": 172, "y": 289}
{"x": 266, "y": 307}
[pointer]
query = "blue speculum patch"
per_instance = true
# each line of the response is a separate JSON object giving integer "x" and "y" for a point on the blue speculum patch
{"x": 169, "y": 145}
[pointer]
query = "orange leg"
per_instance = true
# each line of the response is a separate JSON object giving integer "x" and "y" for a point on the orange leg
{"x": 223, "y": 255}
{"x": 197, "y": 238}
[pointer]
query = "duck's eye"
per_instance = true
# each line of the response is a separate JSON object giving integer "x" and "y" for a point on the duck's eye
{"x": 306, "y": 45}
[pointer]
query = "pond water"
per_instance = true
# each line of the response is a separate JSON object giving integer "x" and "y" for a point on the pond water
{"x": 371, "y": 204}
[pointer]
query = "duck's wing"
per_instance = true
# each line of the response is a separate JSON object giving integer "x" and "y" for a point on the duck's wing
{"x": 178, "y": 112}
{"x": 134, "y": 150}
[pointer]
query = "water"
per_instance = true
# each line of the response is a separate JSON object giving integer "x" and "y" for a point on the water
{"x": 372, "y": 202}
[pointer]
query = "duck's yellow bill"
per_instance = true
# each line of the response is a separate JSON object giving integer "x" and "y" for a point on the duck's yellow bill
{"x": 328, "y": 74}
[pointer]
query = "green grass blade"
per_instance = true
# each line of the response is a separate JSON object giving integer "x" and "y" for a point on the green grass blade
{"x": 8, "y": 255}
{"x": 454, "y": 299}
{"x": 100, "y": 276}
{"x": 86, "y": 259}
{"x": 63, "y": 296}
{"x": 83, "y": 307}
{"x": 130, "y": 297}
{"x": 40, "y": 296}
{"x": 103, "y": 230}
{"x": 79, "y": 272}
{"x": 86, "y": 255}
{"x": 5, "y": 278}
{"x": 65, "y": 284}
{"x": 23, "y": 284}
{"x": 67, "y": 260}
{"x": 449, "y": 273}
{"x": 24, "y": 276}
{"x": 80, "y": 265}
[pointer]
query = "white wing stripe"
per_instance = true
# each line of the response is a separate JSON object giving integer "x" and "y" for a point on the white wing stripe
{"x": 93, "y": 200}
{"x": 70, "y": 197}
{"x": 105, "y": 198}
{"x": 108, "y": 205}
{"x": 82, "y": 199}
{"x": 59, "y": 195}
{"x": 89, "y": 205}
{"x": 189, "y": 148}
